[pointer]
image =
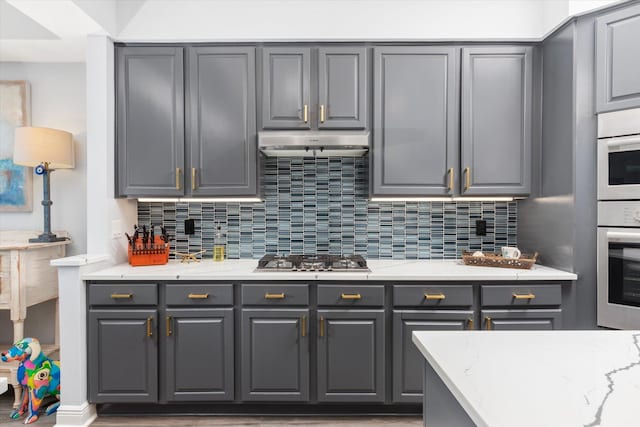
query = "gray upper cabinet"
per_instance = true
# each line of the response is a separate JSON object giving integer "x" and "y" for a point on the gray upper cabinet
{"x": 415, "y": 144}
{"x": 496, "y": 120}
{"x": 222, "y": 127}
{"x": 342, "y": 87}
{"x": 275, "y": 354}
{"x": 199, "y": 331}
{"x": 351, "y": 356}
{"x": 618, "y": 59}
{"x": 150, "y": 121}
{"x": 286, "y": 87}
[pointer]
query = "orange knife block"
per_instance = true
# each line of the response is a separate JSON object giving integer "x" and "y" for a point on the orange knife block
{"x": 157, "y": 255}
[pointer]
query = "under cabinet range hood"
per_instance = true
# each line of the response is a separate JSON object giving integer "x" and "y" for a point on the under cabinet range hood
{"x": 313, "y": 143}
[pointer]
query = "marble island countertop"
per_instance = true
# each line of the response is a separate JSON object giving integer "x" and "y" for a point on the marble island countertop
{"x": 539, "y": 378}
{"x": 383, "y": 270}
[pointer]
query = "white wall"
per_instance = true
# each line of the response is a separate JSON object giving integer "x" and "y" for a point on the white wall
{"x": 57, "y": 101}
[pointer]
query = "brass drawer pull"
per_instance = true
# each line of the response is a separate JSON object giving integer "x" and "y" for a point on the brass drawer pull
{"x": 450, "y": 187}
{"x": 470, "y": 324}
{"x": 434, "y": 296}
{"x": 121, "y": 296}
{"x": 169, "y": 331}
{"x": 303, "y": 326}
{"x": 524, "y": 296}
{"x": 322, "y": 326}
{"x": 351, "y": 296}
{"x": 305, "y": 113}
{"x": 321, "y": 113}
{"x": 193, "y": 178}
{"x": 178, "y": 178}
{"x": 198, "y": 296}
{"x": 489, "y": 324}
{"x": 149, "y": 323}
{"x": 274, "y": 296}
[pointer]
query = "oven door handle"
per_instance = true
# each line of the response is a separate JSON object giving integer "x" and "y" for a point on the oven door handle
{"x": 620, "y": 236}
{"x": 625, "y": 141}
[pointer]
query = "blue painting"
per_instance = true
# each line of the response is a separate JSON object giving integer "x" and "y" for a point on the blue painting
{"x": 16, "y": 182}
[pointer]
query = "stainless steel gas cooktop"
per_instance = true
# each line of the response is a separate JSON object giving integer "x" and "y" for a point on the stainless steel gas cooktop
{"x": 353, "y": 263}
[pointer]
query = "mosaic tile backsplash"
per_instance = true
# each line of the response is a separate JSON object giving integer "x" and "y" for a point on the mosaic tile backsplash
{"x": 321, "y": 206}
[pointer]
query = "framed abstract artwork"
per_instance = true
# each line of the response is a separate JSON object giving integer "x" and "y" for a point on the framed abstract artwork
{"x": 16, "y": 182}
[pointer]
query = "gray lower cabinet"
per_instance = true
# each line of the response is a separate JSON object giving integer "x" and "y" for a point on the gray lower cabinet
{"x": 286, "y": 87}
{"x": 199, "y": 354}
{"x": 149, "y": 121}
{"x": 408, "y": 363}
{"x": 351, "y": 362}
{"x": 618, "y": 59}
{"x": 122, "y": 355}
{"x": 496, "y": 106}
{"x": 520, "y": 320}
{"x": 275, "y": 354}
{"x": 415, "y": 138}
{"x": 222, "y": 121}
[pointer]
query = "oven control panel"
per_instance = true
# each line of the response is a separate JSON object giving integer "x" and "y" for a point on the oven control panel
{"x": 619, "y": 214}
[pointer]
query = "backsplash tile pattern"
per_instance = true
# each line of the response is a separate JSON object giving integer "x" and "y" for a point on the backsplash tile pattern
{"x": 321, "y": 206}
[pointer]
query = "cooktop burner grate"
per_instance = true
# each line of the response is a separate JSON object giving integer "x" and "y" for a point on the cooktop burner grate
{"x": 339, "y": 263}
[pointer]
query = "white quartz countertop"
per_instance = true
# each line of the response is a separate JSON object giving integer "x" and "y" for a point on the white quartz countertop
{"x": 383, "y": 270}
{"x": 539, "y": 378}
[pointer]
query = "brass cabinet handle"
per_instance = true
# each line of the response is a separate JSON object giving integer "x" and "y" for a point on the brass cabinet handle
{"x": 524, "y": 296}
{"x": 198, "y": 296}
{"x": 350, "y": 296}
{"x": 149, "y": 323}
{"x": 178, "y": 178}
{"x": 467, "y": 178}
{"x": 450, "y": 179}
{"x": 303, "y": 326}
{"x": 168, "y": 326}
{"x": 305, "y": 113}
{"x": 434, "y": 296}
{"x": 321, "y": 326}
{"x": 193, "y": 178}
{"x": 321, "y": 113}
{"x": 489, "y": 325}
{"x": 121, "y": 296}
{"x": 470, "y": 324}
{"x": 274, "y": 296}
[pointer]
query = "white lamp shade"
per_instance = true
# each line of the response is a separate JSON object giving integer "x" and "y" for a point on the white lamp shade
{"x": 34, "y": 146}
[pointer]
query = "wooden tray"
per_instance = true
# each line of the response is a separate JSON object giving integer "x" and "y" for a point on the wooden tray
{"x": 525, "y": 262}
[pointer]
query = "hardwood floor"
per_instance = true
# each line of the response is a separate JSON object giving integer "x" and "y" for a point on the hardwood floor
{"x": 6, "y": 401}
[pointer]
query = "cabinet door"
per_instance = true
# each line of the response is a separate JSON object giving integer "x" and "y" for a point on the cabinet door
{"x": 415, "y": 142}
{"x": 351, "y": 356}
{"x": 275, "y": 355}
{"x": 342, "y": 87}
{"x": 496, "y": 120}
{"x": 222, "y": 127}
{"x": 408, "y": 363}
{"x": 150, "y": 121}
{"x": 618, "y": 59}
{"x": 521, "y": 320}
{"x": 199, "y": 353}
{"x": 122, "y": 357}
{"x": 285, "y": 87}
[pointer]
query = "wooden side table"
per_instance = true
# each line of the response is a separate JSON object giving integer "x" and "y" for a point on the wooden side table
{"x": 26, "y": 279}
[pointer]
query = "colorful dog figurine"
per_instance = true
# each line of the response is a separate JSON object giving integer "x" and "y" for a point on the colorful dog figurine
{"x": 38, "y": 375}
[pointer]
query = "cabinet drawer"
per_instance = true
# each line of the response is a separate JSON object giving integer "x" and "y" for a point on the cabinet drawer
{"x": 275, "y": 294}
{"x": 346, "y": 295}
{"x": 204, "y": 294}
{"x": 521, "y": 296}
{"x": 432, "y": 296}
{"x": 123, "y": 294}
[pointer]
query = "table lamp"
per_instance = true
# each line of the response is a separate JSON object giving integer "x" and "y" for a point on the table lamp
{"x": 44, "y": 149}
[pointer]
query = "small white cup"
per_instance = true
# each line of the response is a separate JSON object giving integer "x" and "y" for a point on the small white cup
{"x": 509, "y": 252}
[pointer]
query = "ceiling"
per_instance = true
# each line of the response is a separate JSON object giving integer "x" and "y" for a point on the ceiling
{"x": 56, "y": 30}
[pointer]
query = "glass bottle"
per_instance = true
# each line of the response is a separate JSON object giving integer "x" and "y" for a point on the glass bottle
{"x": 218, "y": 245}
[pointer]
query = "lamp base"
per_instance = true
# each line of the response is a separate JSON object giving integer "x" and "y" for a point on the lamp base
{"x": 47, "y": 238}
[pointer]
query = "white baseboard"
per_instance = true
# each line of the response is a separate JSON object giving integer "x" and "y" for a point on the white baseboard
{"x": 76, "y": 415}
